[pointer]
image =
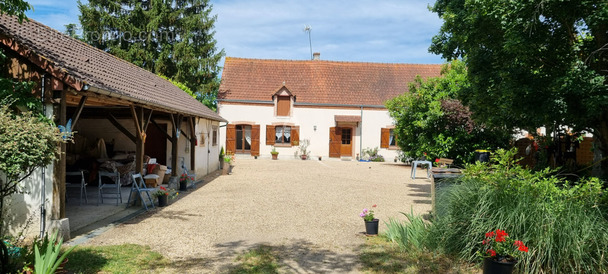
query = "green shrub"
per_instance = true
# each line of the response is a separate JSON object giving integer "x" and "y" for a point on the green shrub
{"x": 561, "y": 223}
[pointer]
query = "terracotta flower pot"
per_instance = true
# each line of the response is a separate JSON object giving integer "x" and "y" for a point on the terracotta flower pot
{"x": 275, "y": 156}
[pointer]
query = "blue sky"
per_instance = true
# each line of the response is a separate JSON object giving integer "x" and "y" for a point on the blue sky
{"x": 390, "y": 31}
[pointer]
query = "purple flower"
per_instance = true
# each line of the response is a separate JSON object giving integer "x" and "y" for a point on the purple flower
{"x": 362, "y": 215}
{"x": 365, "y": 210}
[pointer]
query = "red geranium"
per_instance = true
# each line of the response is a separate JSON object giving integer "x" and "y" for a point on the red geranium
{"x": 500, "y": 247}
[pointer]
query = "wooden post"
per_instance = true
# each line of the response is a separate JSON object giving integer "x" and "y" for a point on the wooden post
{"x": 58, "y": 208}
{"x": 176, "y": 119}
{"x": 138, "y": 117}
{"x": 192, "y": 144}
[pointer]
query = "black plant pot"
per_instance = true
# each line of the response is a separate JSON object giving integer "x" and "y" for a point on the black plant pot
{"x": 183, "y": 185}
{"x": 491, "y": 266}
{"x": 371, "y": 227}
{"x": 163, "y": 200}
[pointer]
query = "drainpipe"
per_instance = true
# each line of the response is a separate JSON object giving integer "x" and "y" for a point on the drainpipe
{"x": 361, "y": 135}
{"x": 43, "y": 191}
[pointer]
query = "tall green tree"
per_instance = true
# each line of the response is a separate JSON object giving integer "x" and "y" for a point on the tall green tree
{"x": 531, "y": 63}
{"x": 429, "y": 119}
{"x": 173, "y": 38}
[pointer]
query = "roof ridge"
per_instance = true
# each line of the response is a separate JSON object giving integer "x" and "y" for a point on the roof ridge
{"x": 332, "y": 61}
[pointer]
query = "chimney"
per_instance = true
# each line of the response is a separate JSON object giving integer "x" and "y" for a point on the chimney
{"x": 316, "y": 56}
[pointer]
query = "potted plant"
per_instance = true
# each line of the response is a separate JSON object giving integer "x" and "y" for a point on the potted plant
{"x": 222, "y": 158}
{"x": 184, "y": 181}
{"x": 229, "y": 159}
{"x": 499, "y": 252}
{"x": 163, "y": 195}
{"x": 274, "y": 153}
{"x": 303, "y": 149}
{"x": 371, "y": 223}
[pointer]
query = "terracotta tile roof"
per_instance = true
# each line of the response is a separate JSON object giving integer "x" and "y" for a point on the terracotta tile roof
{"x": 78, "y": 63}
{"x": 319, "y": 82}
{"x": 347, "y": 118}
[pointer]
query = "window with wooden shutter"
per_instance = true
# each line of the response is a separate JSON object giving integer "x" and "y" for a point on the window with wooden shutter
{"x": 269, "y": 135}
{"x": 384, "y": 137}
{"x": 255, "y": 140}
{"x": 283, "y": 105}
{"x": 230, "y": 138}
{"x": 282, "y": 135}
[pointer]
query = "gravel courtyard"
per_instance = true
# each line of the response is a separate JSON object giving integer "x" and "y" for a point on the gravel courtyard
{"x": 307, "y": 210}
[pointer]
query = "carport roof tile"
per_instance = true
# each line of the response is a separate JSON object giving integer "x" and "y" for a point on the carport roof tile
{"x": 101, "y": 71}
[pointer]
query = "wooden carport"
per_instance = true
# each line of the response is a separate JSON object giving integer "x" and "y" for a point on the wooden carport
{"x": 82, "y": 81}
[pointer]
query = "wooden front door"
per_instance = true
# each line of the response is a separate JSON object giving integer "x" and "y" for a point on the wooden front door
{"x": 346, "y": 147}
{"x": 335, "y": 141}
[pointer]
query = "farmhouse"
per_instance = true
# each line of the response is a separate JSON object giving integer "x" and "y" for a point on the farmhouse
{"x": 337, "y": 106}
{"x": 120, "y": 113}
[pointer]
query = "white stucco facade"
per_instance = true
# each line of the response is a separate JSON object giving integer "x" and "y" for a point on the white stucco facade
{"x": 314, "y": 123}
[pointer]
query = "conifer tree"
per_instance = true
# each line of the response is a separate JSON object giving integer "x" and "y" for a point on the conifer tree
{"x": 173, "y": 38}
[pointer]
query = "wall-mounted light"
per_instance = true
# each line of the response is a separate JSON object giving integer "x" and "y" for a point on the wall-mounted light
{"x": 314, "y": 128}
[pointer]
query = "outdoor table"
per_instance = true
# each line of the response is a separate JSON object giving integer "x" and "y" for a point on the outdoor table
{"x": 421, "y": 163}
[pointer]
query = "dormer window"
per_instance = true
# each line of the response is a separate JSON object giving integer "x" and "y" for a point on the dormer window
{"x": 283, "y": 105}
{"x": 283, "y": 99}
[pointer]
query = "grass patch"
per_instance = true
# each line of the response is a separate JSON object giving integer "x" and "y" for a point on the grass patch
{"x": 380, "y": 255}
{"x": 262, "y": 259}
{"x": 126, "y": 258}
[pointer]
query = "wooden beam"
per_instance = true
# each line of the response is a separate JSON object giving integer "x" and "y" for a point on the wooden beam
{"x": 76, "y": 116}
{"x": 148, "y": 121}
{"x": 192, "y": 144}
{"x": 183, "y": 133}
{"x": 136, "y": 122}
{"x": 138, "y": 119}
{"x": 122, "y": 129}
{"x": 161, "y": 129}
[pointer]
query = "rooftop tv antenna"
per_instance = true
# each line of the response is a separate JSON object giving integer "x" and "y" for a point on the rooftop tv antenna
{"x": 307, "y": 28}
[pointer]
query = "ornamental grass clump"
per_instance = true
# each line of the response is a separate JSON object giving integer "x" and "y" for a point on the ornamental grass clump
{"x": 563, "y": 224}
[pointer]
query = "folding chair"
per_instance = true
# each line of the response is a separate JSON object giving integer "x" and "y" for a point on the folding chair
{"x": 139, "y": 186}
{"x": 82, "y": 185}
{"x": 110, "y": 190}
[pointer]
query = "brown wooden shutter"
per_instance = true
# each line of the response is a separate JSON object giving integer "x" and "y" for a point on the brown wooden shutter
{"x": 335, "y": 141}
{"x": 255, "y": 140}
{"x": 385, "y": 134}
{"x": 295, "y": 136}
{"x": 230, "y": 138}
{"x": 283, "y": 105}
{"x": 270, "y": 135}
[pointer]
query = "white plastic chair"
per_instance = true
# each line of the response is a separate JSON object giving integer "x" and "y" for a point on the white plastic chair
{"x": 139, "y": 186}
{"x": 109, "y": 190}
